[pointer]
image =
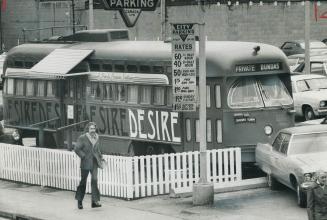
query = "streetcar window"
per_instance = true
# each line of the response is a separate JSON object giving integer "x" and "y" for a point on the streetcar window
{"x": 208, "y": 97}
{"x": 209, "y": 130}
{"x": 145, "y": 95}
{"x": 131, "y": 68}
{"x": 120, "y": 93}
{"x": 188, "y": 129}
{"x": 95, "y": 90}
{"x": 19, "y": 86}
{"x": 168, "y": 70}
{"x": 51, "y": 89}
{"x": 159, "y": 96}
{"x": 40, "y": 88}
{"x": 10, "y": 86}
{"x": 132, "y": 94}
{"x": 119, "y": 68}
{"x": 169, "y": 96}
{"x": 197, "y": 131}
{"x": 244, "y": 94}
{"x": 95, "y": 67}
{"x": 158, "y": 69}
{"x": 107, "y": 67}
{"x": 29, "y": 87}
{"x": 108, "y": 91}
{"x": 218, "y": 96}
{"x": 219, "y": 131}
{"x": 19, "y": 64}
{"x": 29, "y": 64}
{"x": 145, "y": 69}
{"x": 273, "y": 91}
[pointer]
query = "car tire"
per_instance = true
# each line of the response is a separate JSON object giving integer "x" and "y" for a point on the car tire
{"x": 301, "y": 197}
{"x": 273, "y": 184}
{"x": 308, "y": 113}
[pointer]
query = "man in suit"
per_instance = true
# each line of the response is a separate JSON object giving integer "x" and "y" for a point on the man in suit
{"x": 88, "y": 149}
{"x": 317, "y": 197}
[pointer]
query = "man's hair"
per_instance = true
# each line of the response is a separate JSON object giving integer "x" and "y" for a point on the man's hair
{"x": 88, "y": 125}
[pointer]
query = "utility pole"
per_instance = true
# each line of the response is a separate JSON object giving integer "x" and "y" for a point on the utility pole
{"x": 307, "y": 36}
{"x": 73, "y": 13}
{"x": 163, "y": 20}
{"x": 203, "y": 190}
{"x": 91, "y": 15}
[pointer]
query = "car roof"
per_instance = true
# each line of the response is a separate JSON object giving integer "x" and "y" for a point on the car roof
{"x": 305, "y": 76}
{"x": 305, "y": 129}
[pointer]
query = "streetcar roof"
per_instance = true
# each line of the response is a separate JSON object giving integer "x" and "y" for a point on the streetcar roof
{"x": 221, "y": 56}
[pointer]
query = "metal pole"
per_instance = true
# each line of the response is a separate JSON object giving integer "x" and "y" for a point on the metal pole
{"x": 73, "y": 12}
{"x": 1, "y": 31}
{"x": 163, "y": 20}
{"x": 203, "y": 105}
{"x": 307, "y": 36}
{"x": 91, "y": 15}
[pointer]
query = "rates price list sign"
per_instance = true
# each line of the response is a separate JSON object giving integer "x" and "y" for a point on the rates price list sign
{"x": 183, "y": 67}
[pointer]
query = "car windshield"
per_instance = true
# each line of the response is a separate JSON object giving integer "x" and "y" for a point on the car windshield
{"x": 308, "y": 143}
{"x": 317, "y": 83}
{"x": 315, "y": 44}
{"x": 262, "y": 91}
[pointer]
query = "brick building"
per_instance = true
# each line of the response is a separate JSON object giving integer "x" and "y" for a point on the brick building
{"x": 264, "y": 21}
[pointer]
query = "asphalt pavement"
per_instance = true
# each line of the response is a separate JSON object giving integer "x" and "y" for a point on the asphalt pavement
{"x": 35, "y": 202}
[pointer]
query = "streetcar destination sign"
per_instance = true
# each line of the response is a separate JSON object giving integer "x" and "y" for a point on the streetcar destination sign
{"x": 245, "y": 68}
{"x": 183, "y": 67}
{"x": 130, "y": 9}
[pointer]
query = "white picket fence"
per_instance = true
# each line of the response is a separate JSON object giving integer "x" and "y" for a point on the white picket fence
{"x": 123, "y": 177}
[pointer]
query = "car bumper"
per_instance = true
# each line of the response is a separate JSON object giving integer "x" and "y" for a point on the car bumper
{"x": 322, "y": 112}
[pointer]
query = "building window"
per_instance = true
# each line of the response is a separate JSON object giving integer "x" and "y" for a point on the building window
{"x": 71, "y": 88}
{"x": 145, "y": 95}
{"x": 219, "y": 132}
{"x": 108, "y": 91}
{"x": 197, "y": 131}
{"x": 120, "y": 93}
{"x": 132, "y": 94}
{"x": 169, "y": 96}
{"x": 29, "y": 87}
{"x": 19, "y": 64}
{"x": 218, "y": 96}
{"x": 188, "y": 130}
{"x": 159, "y": 95}
{"x": 51, "y": 89}
{"x": 40, "y": 88}
{"x": 80, "y": 88}
{"x": 158, "y": 69}
{"x": 19, "y": 86}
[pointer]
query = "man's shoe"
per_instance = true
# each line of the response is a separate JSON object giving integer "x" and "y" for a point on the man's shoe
{"x": 96, "y": 205}
{"x": 80, "y": 205}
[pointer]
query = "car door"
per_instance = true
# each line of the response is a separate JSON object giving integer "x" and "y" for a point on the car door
{"x": 278, "y": 156}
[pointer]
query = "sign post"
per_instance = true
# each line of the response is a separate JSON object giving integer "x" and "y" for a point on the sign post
{"x": 203, "y": 193}
{"x": 183, "y": 67}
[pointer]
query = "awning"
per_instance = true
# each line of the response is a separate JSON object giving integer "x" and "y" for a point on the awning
{"x": 60, "y": 61}
{"x": 28, "y": 74}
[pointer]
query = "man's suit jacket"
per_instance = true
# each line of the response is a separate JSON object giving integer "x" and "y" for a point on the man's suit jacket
{"x": 317, "y": 202}
{"x": 85, "y": 150}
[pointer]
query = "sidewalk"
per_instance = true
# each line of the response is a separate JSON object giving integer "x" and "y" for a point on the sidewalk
{"x": 35, "y": 202}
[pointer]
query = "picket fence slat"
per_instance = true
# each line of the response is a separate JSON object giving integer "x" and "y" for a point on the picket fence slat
{"x": 123, "y": 177}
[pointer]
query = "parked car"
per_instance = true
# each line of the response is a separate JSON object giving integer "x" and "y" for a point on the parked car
{"x": 309, "y": 95}
{"x": 318, "y": 64}
{"x": 324, "y": 41}
{"x": 295, "y": 154}
{"x": 10, "y": 136}
{"x": 298, "y": 47}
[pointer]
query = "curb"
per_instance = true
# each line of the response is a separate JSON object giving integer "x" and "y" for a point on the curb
{"x": 15, "y": 216}
{"x": 232, "y": 187}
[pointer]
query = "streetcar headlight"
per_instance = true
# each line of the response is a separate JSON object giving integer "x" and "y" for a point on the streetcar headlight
{"x": 268, "y": 130}
{"x": 15, "y": 135}
{"x": 323, "y": 104}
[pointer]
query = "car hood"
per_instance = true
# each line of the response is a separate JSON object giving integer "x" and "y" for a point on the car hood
{"x": 311, "y": 162}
